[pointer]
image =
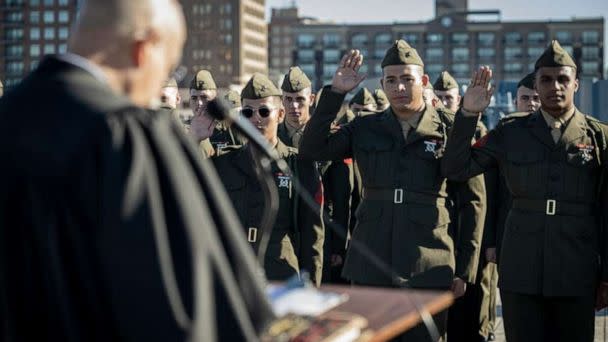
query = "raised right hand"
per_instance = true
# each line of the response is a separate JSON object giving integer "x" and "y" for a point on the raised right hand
{"x": 347, "y": 76}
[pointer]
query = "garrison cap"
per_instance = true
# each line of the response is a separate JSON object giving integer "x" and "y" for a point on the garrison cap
{"x": 170, "y": 83}
{"x": 380, "y": 97}
{"x": 527, "y": 81}
{"x": 233, "y": 98}
{"x": 554, "y": 56}
{"x": 295, "y": 80}
{"x": 203, "y": 80}
{"x": 401, "y": 53}
{"x": 445, "y": 81}
{"x": 259, "y": 87}
{"x": 363, "y": 97}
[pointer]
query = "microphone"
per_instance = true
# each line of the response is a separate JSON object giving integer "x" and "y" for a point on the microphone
{"x": 219, "y": 111}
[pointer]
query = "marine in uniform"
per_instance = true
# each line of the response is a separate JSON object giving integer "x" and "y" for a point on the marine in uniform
{"x": 469, "y": 314}
{"x": 382, "y": 103}
{"x": 296, "y": 239}
{"x": 297, "y": 98}
{"x": 202, "y": 90}
{"x": 402, "y": 218}
{"x": 552, "y": 161}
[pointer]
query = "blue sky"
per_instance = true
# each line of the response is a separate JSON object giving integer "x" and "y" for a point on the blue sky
{"x": 366, "y": 11}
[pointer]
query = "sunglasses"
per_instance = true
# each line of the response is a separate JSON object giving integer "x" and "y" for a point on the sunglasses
{"x": 263, "y": 111}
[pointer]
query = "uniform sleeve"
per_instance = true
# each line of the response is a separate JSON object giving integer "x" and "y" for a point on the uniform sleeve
{"x": 463, "y": 161}
{"x": 471, "y": 211}
{"x": 310, "y": 223}
{"x": 317, "y": 142}
{"x": 492, "y": 205}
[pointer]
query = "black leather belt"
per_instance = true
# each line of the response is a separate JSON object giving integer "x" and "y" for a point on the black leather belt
{"x": 552, "y": 207}
{"x": 398, "y": 196}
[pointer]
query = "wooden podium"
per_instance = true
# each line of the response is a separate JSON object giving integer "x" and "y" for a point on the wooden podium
{"x": 389, "y": 312}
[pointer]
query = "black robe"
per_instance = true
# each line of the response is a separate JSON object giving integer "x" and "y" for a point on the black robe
{"x": 87, "y": 179}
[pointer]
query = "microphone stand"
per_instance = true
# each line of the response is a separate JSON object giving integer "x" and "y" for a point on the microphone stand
{"x": 219, "y": 111}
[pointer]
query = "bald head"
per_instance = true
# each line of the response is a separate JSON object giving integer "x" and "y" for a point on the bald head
{"x": 136, "y": 43}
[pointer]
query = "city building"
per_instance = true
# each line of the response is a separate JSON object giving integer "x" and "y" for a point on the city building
{"x": 228, "y": 37}
{"x": 31, "y": 29}
{"x": 457, "y": 40}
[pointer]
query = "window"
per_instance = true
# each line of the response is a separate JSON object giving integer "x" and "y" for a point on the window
{"x": 377, "y": 69}
{"x": 435, "y": 54}
{"x": 513, "y": 67}
{"x": 276, "y": 62}
{"x": 486, "y": 38}
{"x": 329, "y": 70}
{"x": 228, "y": 39}
{"x": 536, "y": 37}
{"x": 512, "y": 38}
{"x": 486, "y": 52}
{"x": 460, "y": 68}
{"x": 63, "y": 16}
{"x": 49, "y": 17}
{"x": 49, "y": 33}
{"x": 14, "y": 17}
{"x": 13, "y": 51}
{"x": 363, "y": 69}
{"x": 359, "y": 39}
{"x": 512, "y": 53}
{"x": 34, "y": 33}
{"x": 34, "y": 17}
{"x": 13, "y": 34}
{"x": 62, "y": 2}
{"x": 569, "y": 49}
{"x": 34, "y": 3}
{"x": 331, "y": 55}
{"x": 331, "y": 39}
{"x": 460, "y": 38}
{"x": 460, "y": 54}
{"x": 564, "y": 37}
{"x": 379, "y": 53}
{"x": 591, "y": 37}
{"x": 384, "y": 39}
{"x": 33, "y": 64}
{"x": 48, "y": 3}
{"x": 434, "y": 38}
{"x": 591, "y": 67}
{"x": 433, "y": 68}
{"x": 306, "y": 40}
{"x": 306, "y": 56}
{"x": 410, "y": 38}
{"x": 63, "y": 33}
{"x": 34, "y": 50}
{"x": 49, "y": 49}
{"x": 591, "y": 52}
{"x": 14, "y": 67}
{"x": 535, "y": 52}
{"x": 309, "y": 69}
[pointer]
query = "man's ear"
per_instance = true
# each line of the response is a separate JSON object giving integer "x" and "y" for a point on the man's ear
{"x": 576, "y": 85}
{"x": 382, "y": 83}
{"x": 178, "y": 97}
{"x": 138, "y": 52}
{"x": 281, "y": 114}
{"x": 312, "y": 98}
{"x": 425, "y": 79}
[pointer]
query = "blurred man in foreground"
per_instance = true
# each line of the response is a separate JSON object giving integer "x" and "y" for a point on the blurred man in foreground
{"x": 110, "y": 227}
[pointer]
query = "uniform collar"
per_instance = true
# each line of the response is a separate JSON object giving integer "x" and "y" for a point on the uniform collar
{"x": 563, "y": 119}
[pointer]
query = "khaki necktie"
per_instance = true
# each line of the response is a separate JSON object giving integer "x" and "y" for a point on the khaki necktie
{"x": 556, "y": 131}
{"x": 405, "y": 128}
{"x": 296, "y": 137}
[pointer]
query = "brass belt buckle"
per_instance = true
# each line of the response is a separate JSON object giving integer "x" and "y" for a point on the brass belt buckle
{"x": 398, "y": 196}
{"x": 551, "y": 207}
{"x": 252, "y": 234}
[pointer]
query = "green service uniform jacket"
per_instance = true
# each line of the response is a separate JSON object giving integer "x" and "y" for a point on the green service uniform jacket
{"x": 403, "y": 218}
{"x": 224, "y": 136}
{"x": 551, "y": 245}
{"x": 296, "y": 241}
